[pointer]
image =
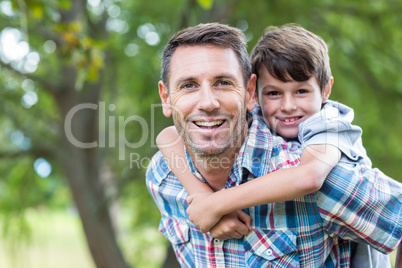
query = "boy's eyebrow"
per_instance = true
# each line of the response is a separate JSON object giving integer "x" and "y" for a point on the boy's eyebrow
{"x": 270, "y": 87}
{"x": 299, "y": 84}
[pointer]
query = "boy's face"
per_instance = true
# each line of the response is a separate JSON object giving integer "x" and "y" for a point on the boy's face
{"x": 286, "y": 104}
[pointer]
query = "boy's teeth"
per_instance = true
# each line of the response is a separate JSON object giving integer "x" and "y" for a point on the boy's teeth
{"x": 209, "y": 124}
{"x": 290, "y": 120}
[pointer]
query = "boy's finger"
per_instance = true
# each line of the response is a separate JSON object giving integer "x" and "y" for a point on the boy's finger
{"x": 237, "y": 235}
{"x": 242, "y": 229}
{"x": 190, "y": 199}
{"x": 245, "y": 218}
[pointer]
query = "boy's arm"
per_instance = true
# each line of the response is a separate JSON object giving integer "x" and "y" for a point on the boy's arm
{"x": 233, "y": 225}
{"x": 315, "y": 164}
{"x": 172, "y": 148}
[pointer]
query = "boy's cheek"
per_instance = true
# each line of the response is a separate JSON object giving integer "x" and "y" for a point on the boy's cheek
{"x": 257, "y": 100}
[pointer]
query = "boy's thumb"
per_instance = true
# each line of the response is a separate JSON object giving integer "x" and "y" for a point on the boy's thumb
{"x": 190, "y": 199}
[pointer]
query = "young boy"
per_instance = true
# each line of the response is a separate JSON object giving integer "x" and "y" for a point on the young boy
{"x": 294, "y": 83}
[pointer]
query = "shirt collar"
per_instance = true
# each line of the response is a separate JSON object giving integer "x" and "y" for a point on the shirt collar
{"x": 193, "y": 168}
{"x": 256, "y": 151}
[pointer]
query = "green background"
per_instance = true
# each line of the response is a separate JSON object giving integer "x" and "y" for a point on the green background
{"x": 108, "y": 53}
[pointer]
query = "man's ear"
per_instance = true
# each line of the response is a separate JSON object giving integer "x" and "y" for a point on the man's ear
{"x": 327, "y": 90}
{"x": 250, "y": 92}
{"x": 164, "y": 94}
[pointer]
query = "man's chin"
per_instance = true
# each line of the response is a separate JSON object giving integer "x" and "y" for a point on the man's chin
{"x": 206, "y": 147}
{"x": 208, "y": 150}
{"x": 202, "y": 151}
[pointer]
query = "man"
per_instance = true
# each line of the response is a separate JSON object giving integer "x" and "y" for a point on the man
{"x": 208, "y": 87}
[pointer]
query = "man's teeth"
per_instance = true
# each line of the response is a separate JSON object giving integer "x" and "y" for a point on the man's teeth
{"x": 209, "y": 124}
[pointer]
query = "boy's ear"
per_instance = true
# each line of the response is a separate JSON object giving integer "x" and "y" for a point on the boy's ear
{"x": 164, "y": 94}
{"x": 250, "y": 93}
{"x": 327, "y": 90}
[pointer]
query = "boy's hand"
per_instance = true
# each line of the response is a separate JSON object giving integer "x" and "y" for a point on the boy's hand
{"x": 233, "y": 225}
{"x": 201, "y": 211}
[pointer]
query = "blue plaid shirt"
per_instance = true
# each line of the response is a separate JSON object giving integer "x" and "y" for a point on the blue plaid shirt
{"x": 355, "y": 203}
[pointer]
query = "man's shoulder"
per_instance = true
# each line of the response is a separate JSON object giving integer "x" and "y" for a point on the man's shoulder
{"x": 158, "y": 169}
{"x": 267, "y": 151}
{"x": 337, "y": 110}
{"x": 284, "y": 154}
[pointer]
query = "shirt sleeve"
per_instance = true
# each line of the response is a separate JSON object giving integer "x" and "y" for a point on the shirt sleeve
{"x": 333, "y": 126}
{"x": 166, "y": 190}
{"x": 363, "y": 205}
{"x": 170, "y": 197}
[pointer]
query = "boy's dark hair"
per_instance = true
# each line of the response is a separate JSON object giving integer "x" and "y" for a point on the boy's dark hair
{"x": 208, "y": 34}
{"x": 291, "y": 53}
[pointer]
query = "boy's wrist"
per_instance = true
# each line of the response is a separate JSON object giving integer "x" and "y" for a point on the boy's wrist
{"x": 218, "y": 202}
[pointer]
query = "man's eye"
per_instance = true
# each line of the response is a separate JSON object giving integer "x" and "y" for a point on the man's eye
{"x": 223, "y": 83}
{"x": 188, "y": 86}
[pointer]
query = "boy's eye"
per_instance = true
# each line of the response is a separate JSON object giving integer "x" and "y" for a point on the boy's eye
{"x": 302, "y": 91}
{"x": 272, "y": 93}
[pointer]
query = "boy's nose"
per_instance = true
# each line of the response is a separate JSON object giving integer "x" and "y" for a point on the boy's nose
{"x": 288, "y": 104}
{"x": 207, "y": 100}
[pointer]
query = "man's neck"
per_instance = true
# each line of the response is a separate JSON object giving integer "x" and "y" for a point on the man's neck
{"x": 215, "y": 170}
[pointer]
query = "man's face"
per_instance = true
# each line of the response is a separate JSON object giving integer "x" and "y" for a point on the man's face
{"x": 287, "y": 104}
{"x": 208, "y": 99}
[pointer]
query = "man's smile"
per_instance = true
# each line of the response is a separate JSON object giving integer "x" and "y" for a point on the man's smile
{"x": 209, "y": 124}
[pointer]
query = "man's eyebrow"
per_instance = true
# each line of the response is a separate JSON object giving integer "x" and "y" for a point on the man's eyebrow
{"x": 185, "y": 79}
{"x": 225, "y": 75}
{"x": 193, "y": 78}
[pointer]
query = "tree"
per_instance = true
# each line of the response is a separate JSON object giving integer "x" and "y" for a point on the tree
{"x": 73, "y": 76}
{"x": 79, "y": 95}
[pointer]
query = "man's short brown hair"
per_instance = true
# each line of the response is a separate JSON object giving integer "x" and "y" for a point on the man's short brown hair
{"x": 208, "y": 34}
{"x": 291, "y": 53}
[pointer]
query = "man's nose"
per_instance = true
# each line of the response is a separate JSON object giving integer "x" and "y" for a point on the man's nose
{"x": 207, "y": 99}
{"x": 288, "y": 104}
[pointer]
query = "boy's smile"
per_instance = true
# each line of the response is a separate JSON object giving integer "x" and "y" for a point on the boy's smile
{"x": 286, "y": 104}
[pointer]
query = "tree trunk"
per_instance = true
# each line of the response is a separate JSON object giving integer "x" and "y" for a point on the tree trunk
{"x": 92, "y": 205}
{"x": 82, "y": 169}
{"x": 170, "y": 260}
{"x": 81, "y": 165}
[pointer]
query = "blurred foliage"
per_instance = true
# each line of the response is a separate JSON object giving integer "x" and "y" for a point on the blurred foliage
{"x": 364, "y": 37}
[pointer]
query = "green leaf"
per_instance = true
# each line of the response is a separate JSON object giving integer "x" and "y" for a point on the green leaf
{"x": 65, "y": 4}
{"x": 205, "y": 4}
{"x": 37, "y": 11}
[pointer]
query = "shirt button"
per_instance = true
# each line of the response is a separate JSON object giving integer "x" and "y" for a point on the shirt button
{"x": 269, "y": 251}
{"x": 216, "y": 241}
